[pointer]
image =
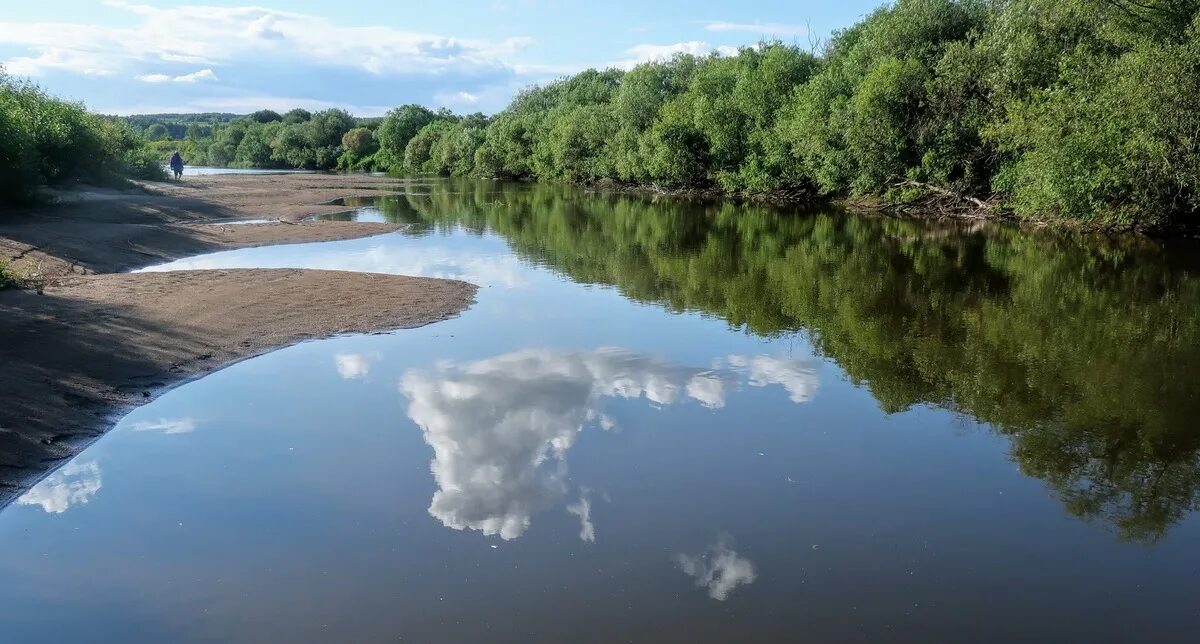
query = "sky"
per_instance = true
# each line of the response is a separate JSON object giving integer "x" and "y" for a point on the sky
{"x": 131, "y": 57}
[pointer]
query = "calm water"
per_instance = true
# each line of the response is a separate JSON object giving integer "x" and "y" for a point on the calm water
{"x": 201, "y": 171}
{"x": 660, "y": 422}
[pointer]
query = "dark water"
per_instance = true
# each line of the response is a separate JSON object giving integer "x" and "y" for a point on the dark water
{"x": 660, "y": 422}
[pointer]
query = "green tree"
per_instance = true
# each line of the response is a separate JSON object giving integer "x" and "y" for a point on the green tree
{"x": 360, "y": 141}
{"x": 157, "y": 132}
{"x": 266, "y": 116}
{"x": 254, "y": 150}
{"x": 297, "y": 115}
{"x": 399, "y": 126}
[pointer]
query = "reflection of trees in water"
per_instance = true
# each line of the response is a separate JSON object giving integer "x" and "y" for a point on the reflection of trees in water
{"x": 395, "y": 209}
{"x": 1083, "y": 351}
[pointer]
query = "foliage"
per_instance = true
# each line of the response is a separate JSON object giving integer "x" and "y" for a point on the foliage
{"x": 45, "y": 141}
{"x": 7, "y": 278}
{"x": 266, "y": 116}
{"x": 397, "y": 129}
{"x": 1115, "y": 138}
{"x": 446, "y": 146}
{"x": 297, "y": 115}
{"x": 1078, "y": 110}
{"x": 359, "y": 146}
{"x": 179, "y": 125}
{"x": 157, "y": 132}
{"x": 298, "y": 139}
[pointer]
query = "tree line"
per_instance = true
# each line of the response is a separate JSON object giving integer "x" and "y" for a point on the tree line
{"x": 1085, "y": 111}
{"x": 1081, "y": 111}
{"x": 330, "y": 139}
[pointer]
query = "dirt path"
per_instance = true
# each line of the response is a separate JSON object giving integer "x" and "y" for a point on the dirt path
{"x": 95, "y": 345}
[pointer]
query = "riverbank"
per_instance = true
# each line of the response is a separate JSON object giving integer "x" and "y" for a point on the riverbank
{"x": 97, "y": 343}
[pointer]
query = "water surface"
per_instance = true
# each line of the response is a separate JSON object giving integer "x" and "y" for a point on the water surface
{"x": 202, "y": 171}
{"x": 661, "y": 421}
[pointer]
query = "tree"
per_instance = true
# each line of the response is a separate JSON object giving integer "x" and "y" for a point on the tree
{"x": 358, "y": 150}
{"x": 399, "y": 126}
{"x": 291, "y": 147}
{"x": 254, "y": 150}
{"x": 265, "y": 116}
{"x": 297, "y": 115}
{"x": 157, "y": 132}
{"x": 360, "y": 141}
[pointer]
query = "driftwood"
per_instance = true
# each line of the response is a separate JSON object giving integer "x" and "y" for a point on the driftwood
{"x": 938, "y": 201}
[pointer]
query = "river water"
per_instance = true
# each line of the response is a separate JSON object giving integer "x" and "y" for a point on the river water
{"x": 661, "y": 421}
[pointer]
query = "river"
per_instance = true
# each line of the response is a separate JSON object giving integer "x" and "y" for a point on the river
{"x": 662, "y": 420}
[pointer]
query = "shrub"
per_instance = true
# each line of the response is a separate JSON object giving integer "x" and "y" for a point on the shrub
{"x": 45, "y": 141}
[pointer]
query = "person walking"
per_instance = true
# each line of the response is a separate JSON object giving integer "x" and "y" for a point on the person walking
{"x": 177, "y": 165}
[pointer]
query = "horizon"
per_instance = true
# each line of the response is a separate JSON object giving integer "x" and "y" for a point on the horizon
{"x": 127, "y": 58}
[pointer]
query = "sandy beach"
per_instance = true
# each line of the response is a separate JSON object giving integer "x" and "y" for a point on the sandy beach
{"x": 98, "y": 342}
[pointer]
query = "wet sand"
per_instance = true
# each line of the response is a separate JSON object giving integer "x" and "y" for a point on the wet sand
{"x": 98, "y": 343}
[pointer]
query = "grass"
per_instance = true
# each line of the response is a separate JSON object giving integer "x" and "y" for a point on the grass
{"x": 7, "y": 278}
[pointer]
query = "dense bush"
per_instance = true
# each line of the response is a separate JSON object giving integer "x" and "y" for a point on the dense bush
{"x": 446, "y": 146}
{"x": 358, "y": 150}
{"x": 397, "y": 129}
{"x": 1115, "y": 137}
{"x": 45, "y": 141}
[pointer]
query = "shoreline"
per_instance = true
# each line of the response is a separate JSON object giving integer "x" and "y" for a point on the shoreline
{"x": 87, "y": 343}
{"x": 932, "y": 206}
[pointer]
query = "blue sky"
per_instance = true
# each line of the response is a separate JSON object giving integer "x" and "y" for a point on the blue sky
{"x": 131, "y": 56}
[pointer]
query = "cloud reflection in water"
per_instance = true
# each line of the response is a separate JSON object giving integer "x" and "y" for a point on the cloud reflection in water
{"x": 352, "y": 366}
{"x": 75, "y": 484}
{"x": 719, "y": 569}
{"x": 500, "y": 427}
{"x": 166, "y": 425}
{"x": 583, "y": 509}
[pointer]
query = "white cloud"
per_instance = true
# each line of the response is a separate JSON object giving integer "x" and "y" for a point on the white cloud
{"x": 194, "y": 77}
{"x": 166, "y": 425}
{"x": 764, "y": 28}
{"x": 646, "y": 53}
{"x": 719, "y": 569}
{"x": 423, "y": 261}
{"x": 796, "y": 375}
{"x": 583, "y": 509}
{"x": 351, "y": 366}
{"x": 500, "y": 428}
{"x": 456, "y": 99}
{"x": 75, "y": 484}
{"x": 54, "y": 58}
{"x": 709, "y": 389}
{"x": 211, "y": 35}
